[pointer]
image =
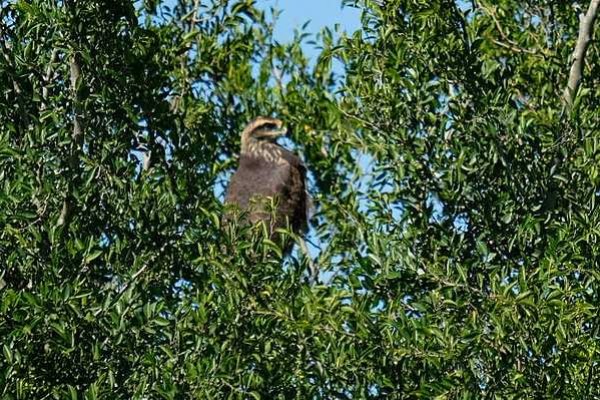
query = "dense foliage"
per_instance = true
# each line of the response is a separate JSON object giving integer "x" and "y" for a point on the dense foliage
{"x": 455, "y": 223}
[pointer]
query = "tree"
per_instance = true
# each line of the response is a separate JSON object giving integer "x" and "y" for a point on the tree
{"x": 455, "y": 184}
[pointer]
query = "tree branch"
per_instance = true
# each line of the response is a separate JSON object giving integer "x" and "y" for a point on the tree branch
{"x": 586, "y": 29}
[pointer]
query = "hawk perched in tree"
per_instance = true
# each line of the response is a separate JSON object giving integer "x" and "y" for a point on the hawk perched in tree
{"x": 269, "y": 174}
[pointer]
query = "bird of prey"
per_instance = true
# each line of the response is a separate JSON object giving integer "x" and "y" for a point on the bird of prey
{"x": 269, "y": 175}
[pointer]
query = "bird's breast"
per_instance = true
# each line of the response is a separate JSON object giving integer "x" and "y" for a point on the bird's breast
{"x": 257, "y": 176}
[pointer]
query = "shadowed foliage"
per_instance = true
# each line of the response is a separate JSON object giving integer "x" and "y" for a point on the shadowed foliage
{"x": 456, "y": 193}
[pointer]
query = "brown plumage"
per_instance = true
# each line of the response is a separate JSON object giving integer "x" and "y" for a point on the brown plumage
{"x": 269, "y": 174}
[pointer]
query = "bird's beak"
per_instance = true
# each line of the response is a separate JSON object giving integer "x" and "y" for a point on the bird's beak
{"x": 282, "y": 131}
{"x": 275, "y": 133}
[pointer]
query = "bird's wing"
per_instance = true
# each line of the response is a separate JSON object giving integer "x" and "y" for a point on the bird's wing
{"x": 292, "y": 194}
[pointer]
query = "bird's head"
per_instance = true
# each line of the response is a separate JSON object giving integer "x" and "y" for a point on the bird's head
{"x": 261, "y": 130}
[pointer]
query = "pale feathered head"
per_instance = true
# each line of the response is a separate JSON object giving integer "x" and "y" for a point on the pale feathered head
{"x": 261, "y": 129}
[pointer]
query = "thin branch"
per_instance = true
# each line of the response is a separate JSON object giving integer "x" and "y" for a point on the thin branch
{"x": 492, "y": 14}
{"x": 68, "y": 207}
{"x": 184, "y": 57}
{"x": 516, "y": 48}
{"x": 48, "y": 77}
{"x": 195, "y": 15}
{"x": 277, "y": 74}
{"x": 313, "y": 269}
{"x": 139, "y": 272}
{"x": 506, "y": 41}
{"x": 462, "y": 22}
{"x": 149, "y": 156}
{"x": 363, "y": 121}
{"x": 5, "y": 49}
{"x": 586, "y": 29}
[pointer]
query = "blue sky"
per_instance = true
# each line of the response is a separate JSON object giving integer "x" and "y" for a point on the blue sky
{"x": 320, "y": 13}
